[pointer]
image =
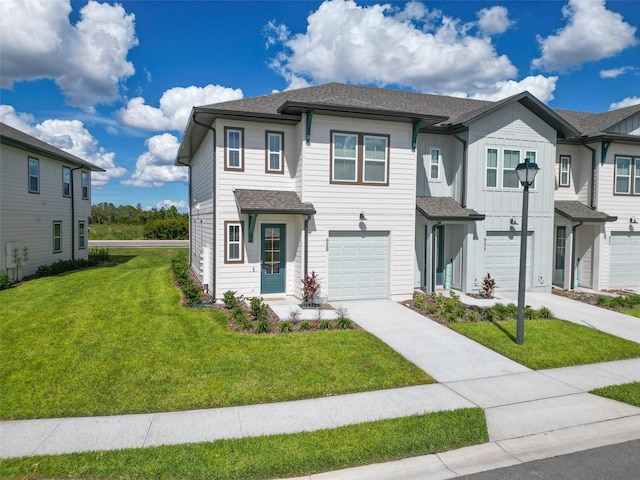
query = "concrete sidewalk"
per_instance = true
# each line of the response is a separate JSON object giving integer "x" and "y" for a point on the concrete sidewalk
{"x": 530, "y": 414}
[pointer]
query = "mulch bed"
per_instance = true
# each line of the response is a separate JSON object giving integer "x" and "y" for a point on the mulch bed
{"x": 592, "y": 298}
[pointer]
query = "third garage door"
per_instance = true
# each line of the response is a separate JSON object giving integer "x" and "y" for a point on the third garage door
{"x": 358, "y": 265}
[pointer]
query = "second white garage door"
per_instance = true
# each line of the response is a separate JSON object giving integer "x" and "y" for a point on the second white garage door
{"x": 502, "y": 258}
{"x": 358, "y": 265}
{"x": 625, "y": 259}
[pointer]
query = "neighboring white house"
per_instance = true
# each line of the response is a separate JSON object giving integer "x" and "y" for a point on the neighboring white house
{"x": 45, "y": 202}
{"x": 377, "y": 191}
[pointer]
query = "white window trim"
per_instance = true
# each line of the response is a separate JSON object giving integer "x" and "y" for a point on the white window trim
{"x": 636, "y": 175}
{"x": 228, "y": 242}
{"x": 59, "y": 237}
{"x": 567, "y": 171}
{"x": 436, "y": 164}
{"x": 500, "y": 167}
{"x": 496, "y": 168}
{"x": 372, "y": 160}
{"x": 630, "y": 176}
{"x": 37, "y": 176}
{"x": 280, "y": 168}
{"x": 335, "y": 157}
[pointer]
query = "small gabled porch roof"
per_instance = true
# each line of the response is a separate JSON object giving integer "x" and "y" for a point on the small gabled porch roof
{"x": 579, "y": 212}
{"x": 446, "y": 209}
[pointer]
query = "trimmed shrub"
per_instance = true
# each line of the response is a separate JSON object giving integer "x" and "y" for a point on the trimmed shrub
{"x": 167, "y": 229}
{"x": 62, "y": 266}
{"x": 230, "y": 300}
{"x": 5, "y": 281}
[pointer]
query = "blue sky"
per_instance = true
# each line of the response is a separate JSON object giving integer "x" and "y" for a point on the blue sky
{"x": 113, "y": 82}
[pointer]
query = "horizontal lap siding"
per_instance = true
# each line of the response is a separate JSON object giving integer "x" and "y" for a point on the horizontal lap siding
{"x": 387, "y": 208}
{"x": 202, "y": 208}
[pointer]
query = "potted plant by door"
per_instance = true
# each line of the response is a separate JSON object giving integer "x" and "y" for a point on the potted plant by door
{"x": 310, "y": 288}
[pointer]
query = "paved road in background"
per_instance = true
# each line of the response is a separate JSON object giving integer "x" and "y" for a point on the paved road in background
{"x": 139, "y": 243}
{"x": 613, "y": 462}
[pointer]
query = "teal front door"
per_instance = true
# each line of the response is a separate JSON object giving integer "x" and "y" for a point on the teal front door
{"x": 273, "y": 258}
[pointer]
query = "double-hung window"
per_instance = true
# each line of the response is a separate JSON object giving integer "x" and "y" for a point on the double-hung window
{"x": 234, "y": 149}
{"x": 434, "y": 164}
{"x": 85, "y": 185}
{"x": 66, "y": 182}
{"x": 82, "y": 235}
{"x": 492, "y": 167}
{"x": 274, "y": 162}
{"x": 511, "y": 159}
{"x": 34, "y": 175}
{"x": 623, "y": 176}
{"x": 359, "y": 158}
{"x": 636, "y": 176}
{"x": 233, "y": 251}
{"x": 501, "y": 163}
{"x": 57, "y": 237}
{"x": 565, "y": 169}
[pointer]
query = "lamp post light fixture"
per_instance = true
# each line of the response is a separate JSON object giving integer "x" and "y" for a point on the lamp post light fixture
{"x": 526, "y": 172}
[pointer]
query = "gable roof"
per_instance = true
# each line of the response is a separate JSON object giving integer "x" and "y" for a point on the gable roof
{"x": 591, "y": 124}
{"x": 16, "y": 138}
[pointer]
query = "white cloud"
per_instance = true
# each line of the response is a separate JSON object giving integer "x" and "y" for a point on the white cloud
{"x": 592, "y": 33}
{"x": 181, "y": 205}
{"x": 70, "y": 136}
{"x": 540, "y": 86}
{"x": 156, "y": 166}
{"x": 374, "y": 44}
{"x": 627, "y": 102}
{"x": 88, "y": 60}
{"x": 175, "y": 107}
{"x": 616, "y": 72}
{"x": 494, "y": 20}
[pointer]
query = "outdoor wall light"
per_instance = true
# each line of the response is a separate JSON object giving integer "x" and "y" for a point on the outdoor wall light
{"x": 633, "y": 220}
{"x": 514, "y": 221}
{"x": 362, "y": 217}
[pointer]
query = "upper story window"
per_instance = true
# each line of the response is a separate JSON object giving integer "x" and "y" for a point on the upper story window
{"x": 233, "y": 251}
{"x": 66, "y": 182}
{"x": 274, "y": 158}
{"x": 627, "y": 176}
{"x": 234, "y": 149}
{"x": 565, "y": 169}
{"x": 434, "y": 164}
{"x": 57, "y": 237}
{"x": 34, "y": 175}
{"x": 501, "y": 164}
{"x": 359, "y": 158}
{"x": 85, "y": 185}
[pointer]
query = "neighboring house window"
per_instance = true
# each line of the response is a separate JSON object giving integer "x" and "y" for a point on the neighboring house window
{"x": 82, "y": 235}
{"x": 234, "y": 149}
{"x": 85, "y": 185}
{"x": 66, "y": 182}
{"x": 233, "y": 251}
{"x": 533, "y": 158}
{"x": 623, "y": 175}
{"x": 561, "y": 243}
{"x": 511, "y": 159}
{"x": 434, "y": 164}
{"x": 57, "y": 237}
{"x": 274, "y": 162}
{"x": 492, "y": 167}
{"x": 34, "y": 175}
{"x": 359, "y": 158}
{"x": 565, "y": 167}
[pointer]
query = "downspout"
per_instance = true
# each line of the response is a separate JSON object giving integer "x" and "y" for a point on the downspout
{"x": 433, "y": 255}
{"x": 306, "y": 245}
{"x": 573, "y": 254}
{"x": 73, "y": 216}
{"x": 592, "y": 189}
{"x": 463, "y": 199}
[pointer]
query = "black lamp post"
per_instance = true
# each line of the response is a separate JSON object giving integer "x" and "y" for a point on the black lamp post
{"x": 526, "y": 172}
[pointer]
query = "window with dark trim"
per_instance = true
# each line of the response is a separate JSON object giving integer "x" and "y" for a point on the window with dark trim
{"x": 626, "y": 175}
{"x": 82, "y": 235}
{"x": 565, "y": 171}
{"x": 85, "y": 185}
{"x": 561, "y": 244}
{"x": 274, "y": 157}
{"x": 34, "y": 175}
{"x": 359, "y": 158}
{"x": 234, "y": 149}
{"x": 66, "y": 182}
{"x": 57, "y": 237}
{"x": 233, "y": 244}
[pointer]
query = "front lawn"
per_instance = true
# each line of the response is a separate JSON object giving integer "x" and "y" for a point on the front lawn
{"x": 550, "y": 343}
{"x": 627, "y": 393}
{"x": 271, "y": 456}
{"x": 115, "y": 340}
{"x": 633, "y": 312}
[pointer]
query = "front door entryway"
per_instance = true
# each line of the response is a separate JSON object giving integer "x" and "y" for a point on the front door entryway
{"x": 273, "y": 258}
{"x": 440, "y": 255}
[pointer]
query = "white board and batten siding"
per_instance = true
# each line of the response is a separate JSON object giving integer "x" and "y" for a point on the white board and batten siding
{"x": 386, "y": 208}
{"x": 516, "y": 128}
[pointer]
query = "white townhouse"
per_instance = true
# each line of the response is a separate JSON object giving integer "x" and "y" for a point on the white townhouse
{"x": 378, "y": 191}
{"x": 45, "y": 202}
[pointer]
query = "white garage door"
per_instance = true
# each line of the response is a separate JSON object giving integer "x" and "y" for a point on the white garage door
{"x": 625, "y": 259}
{"x": 502, "y": 258}
{"x": 358, "y": 265}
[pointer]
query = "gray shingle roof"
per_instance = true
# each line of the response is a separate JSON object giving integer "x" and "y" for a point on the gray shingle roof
{"x": 445, "y": 208}
{"x": 271, "y": 201}
{"x": 19, "y": 139}
{"x": 597, "y": 123}
{"x": 579, "y": 212}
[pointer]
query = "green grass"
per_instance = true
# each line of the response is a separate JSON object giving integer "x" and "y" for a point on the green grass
{"x": 115, "y": 232}
{"x": 635, "y": 312}
{"x": 269, "y": 457}
{"x": 550, "y": 343}
{"x": 114, "y": 340}
{"x": 627, "y": 393}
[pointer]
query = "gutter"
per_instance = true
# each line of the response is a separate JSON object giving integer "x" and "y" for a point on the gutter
{"x": 592, "y": 189}
{"x": 463, "y": 199}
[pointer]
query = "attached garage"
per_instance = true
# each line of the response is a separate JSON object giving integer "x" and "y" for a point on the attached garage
{"x": 624, "y": 270}
{"x": 358, "y": 265}
{"x": 502, "y": 258}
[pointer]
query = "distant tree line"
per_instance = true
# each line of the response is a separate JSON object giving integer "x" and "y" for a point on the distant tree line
{"x": 159, "y": 224}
